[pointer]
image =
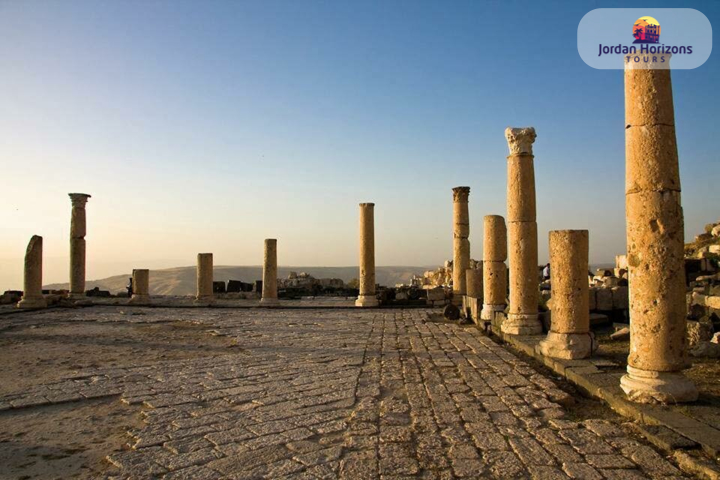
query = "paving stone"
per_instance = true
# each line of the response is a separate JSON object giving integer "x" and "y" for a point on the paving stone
{"x": 351, "y": 394}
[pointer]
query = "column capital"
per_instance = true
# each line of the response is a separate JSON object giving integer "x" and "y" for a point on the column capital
{"x": 367, "y": 205}
{"x": 78, "y": 199}
{"x": 520, "y": 140}
{"x": 461, "y": 194}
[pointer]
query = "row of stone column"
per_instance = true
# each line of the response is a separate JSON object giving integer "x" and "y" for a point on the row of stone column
{"x": 655, "y": 240}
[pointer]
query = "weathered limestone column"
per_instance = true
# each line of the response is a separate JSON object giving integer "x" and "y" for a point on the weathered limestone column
{"x": 141, "y": 287}
{"x": 204, "y": 279}
{"x": 78, "y": 230}
{"x": 461, "y": 244}
{"x": 32, "y": 288}
{"x": 367, "y": 296}
{"x": 494, "y": 268}
{"x": 269, "y": 288}
{"x": 569, "y": 336}
{"x": 473, "y": 300}
{"x": 522, "y": 318}
{"x": 655, "y": 238}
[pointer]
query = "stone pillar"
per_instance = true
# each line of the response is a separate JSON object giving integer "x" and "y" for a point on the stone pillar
{"x": 569, "y": 337}
{"x": 32, "y": 289}
{"x": 461, "y": 244}
{"x": 269, "y": 287}
{"x": 78, "y": 230}
{"x": 204, "y": 279}
{"x": 494, "y": 268}
{"x": 367, "y": 296}
{"x": 473, "y": 299}
{"x": 655, "y": 238}
{"x": 141, "y": 286}
{"x": 522, "y": 318}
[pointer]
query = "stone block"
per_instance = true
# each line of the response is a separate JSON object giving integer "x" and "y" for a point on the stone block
{"x": 603, "y": 298}
{"x": 619, "y": 298}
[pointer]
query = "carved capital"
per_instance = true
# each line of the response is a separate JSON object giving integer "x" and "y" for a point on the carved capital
{"x": 79, "y": 199}
{"x": 520, "y": 140}
{"x": 461, "y": 194}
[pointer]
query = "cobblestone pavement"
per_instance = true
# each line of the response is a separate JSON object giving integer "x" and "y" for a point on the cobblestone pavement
{"x": 348, "y": 394}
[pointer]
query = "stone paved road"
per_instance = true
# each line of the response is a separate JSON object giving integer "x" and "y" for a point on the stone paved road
{"x": 348, "y": 394}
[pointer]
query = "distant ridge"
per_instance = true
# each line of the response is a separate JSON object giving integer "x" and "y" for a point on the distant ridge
{"x": 181, "y": 280}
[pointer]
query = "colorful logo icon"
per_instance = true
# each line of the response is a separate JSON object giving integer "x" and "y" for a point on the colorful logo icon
{"x": 646, "y": 30}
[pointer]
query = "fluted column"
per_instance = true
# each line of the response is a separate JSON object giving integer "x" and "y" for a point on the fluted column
{"x": 367, "y": 296}
{"x": 569, "y": 336}
{"x": 205, "y": 294}
{"x": 269, "y": 288}
{"x": 141, "y": 287}
{"x": 461, "y": 244}
{"x": 78, "y": 230}
{"x": 494, "y": 268}
{"x": 522, "y": 318}
{"x": 655, "y": 239}
{"x": 32, "y": 289}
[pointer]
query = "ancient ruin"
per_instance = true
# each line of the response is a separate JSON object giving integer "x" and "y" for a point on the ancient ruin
{"x": 502, "y": 368}
{"x": 32, "y": 291}
{"x": 522, "y": 318}
{"x": 269, "y": 286}
{"x": 461, "y": 244}
{"x": 366, "y": 297}
{"x": 78, "y": 230}
{"x": 494, "y": 268}
{"x": 655, "y": 232}
{"x": 569, "y": 337}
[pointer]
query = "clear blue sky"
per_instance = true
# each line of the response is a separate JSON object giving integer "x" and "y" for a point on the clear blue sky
{"x": 208, "y": 126}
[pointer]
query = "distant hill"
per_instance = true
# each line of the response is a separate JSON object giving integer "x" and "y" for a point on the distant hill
{"x": 181, "y": 280}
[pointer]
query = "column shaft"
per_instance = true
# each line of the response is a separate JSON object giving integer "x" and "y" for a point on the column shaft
{"x": 78, "y": 230}
{"x": 269, "y": 289}
{"x": 461, "y": 244}
{"x": 204, "y": 279}
{"x": 569, "y": 335}
{"x": 494, "y": 268}
{"x": 32, "y": 288}
{"x": 655, "y": 240}
{"x": 141, "y": 286}
{"x": 367, "y": 296}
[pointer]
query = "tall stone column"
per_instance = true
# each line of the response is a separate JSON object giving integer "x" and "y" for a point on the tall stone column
{"x": 141, "y": 287}
{"x": 269, "y": 288}
{"x": 655, "y": 238}
{"x": 461, "y": 244}
{"x": 78, "y": 230}
{"x": 32, "y": 289}
{"x": 367, "y": 296}
{"x": 569, "y": 336}
{"x": 204, "y": 279}
{"x": 494, "y": 268}
{"x": 522, "y": 318}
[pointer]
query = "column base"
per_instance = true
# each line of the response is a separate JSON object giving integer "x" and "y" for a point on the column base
{"x": 568, "y": 346}
{"x": 139, "y": 300}
{"x": 269, "y": 302}
{"x": 488, "y": 311}
{"x": 204, "y": 301}
{"x": 32, "y": 302}
{"x": 647, "y": 386}
{"x": 367, "y": 301}
{"x": 522, "y": 324}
